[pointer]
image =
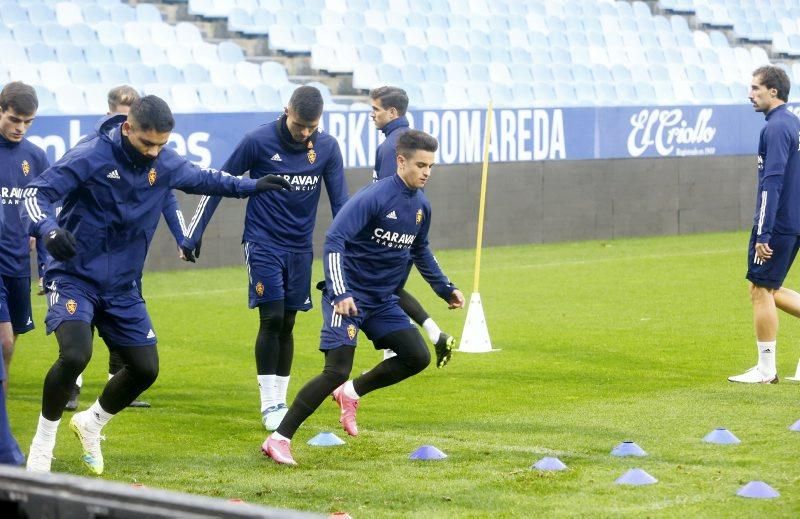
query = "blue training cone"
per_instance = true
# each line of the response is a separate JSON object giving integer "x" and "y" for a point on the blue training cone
{"x": 628, "y": 448}
{"x": 636, "y": 477}
{"x": 548, "y": 463}
{"x": 758, "y": 490}
{"x": 721, "y": 436}
{"x": 795, "y": 426}
{"x": 325, "y": 439}
{"x": 427, "y": 452}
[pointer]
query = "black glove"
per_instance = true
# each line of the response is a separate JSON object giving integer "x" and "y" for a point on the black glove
{"x": 271, "y": 182}
{"x": 60, "y": 243}
{"x": 192, "y": 255}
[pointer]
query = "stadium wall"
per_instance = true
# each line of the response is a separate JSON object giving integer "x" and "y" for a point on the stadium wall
{"x": 536, "y": 202}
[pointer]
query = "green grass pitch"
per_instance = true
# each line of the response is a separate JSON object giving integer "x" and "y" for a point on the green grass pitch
{"x": 601, "y": 342}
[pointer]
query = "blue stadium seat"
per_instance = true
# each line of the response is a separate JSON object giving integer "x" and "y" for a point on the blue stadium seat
{"x": 122, "y": 14}
{"x": 54, "y": 34}
{"x": 261, "y": 21}
{"x": 70, "y": 54}
{"x": 500, "y": 55}
{"x": 194, "y": 74}
{"x": 179, "y": 55}
{"x": 267, "y": 98}
{"x": 40, "y": 53}
{"x": 626, "y": 93}
{"x": 520, "y": 56}
{"x": 371, "y": 36}
{"x": 621, "y": 74}
{"x": 12, "y": 14}
{"x": 582, "y": 73}
{"x": 185, "y": 99}
{"x": 97, "y": 54}
{"x": 140, "y": 74}
{"x": 205, "y": 53}
{"x": 247, "y": 73}
{"x": 456, "y": 73}
{"x": 273, "y": 73}
{"x": 478, "y": 72}
{"x": 40, "y": 14}
{"x": 541, "y": 57}
{"x": 125, "y": 54}
{"x": 585, "y": 94}
{"x": 523, "y": 94}
{"x": 54, "y": 74}
{"x": 212, "y": 97}
{"x": 222, "y": 74}
{"x": 601, "y": 73}
{"x": 5, "y": 34}
{"x": 82, "y": 74}
{"x": 434, "y": 73}
{"x": 148, "y": 13}
{"x": 94, "y": 14}
{"x": 702, "y": 92}
{"x": 70, "y": 100}
{"x": 47, "y": 100}
{"x": 544, "y": 93}
{"x": 240, "y": 98}
{"x": 230, "y": 52}
{"x": 480, "y": 55}
{"x": 389, "y": 74}
{"x": 521, "y": 74}
{"x": 153, "y": 55}
{"x": 370, "y": 54}
{"x": 82, "y": 34}
{"x": 457, "y": 54}
{"x": 437, "y": 55}
{"x": 109, "y": 34}
{"x": 26, "y": 33}
{"x": 113, "y": 74}
{"x": 167, "y": 74}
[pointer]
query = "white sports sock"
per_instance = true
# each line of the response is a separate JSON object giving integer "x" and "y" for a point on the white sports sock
{"x": 266, "y": 386}
{"x": 46, "y": 432}
{"x": 281, "y": 387}
{"x": 98, "y": 417}
{"x": 350, "y": 391}
{"x": 766, "y": 357}
{"x": 432, "y": 329}
{"x": 277, "y": 436}
{"x": 79, "y": 380}
{"x": 388, "y": 354}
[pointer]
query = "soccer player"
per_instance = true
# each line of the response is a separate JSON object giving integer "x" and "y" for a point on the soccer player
{"x": 113, "y": 186}
{"x": 389, "y": 106}
{"x": 278, "y": 228}
{"x": 775, "y": 238}
{"x": 120, "y": 99}
{"x": 20, "y": 162}
{"x": 367, "y": 249}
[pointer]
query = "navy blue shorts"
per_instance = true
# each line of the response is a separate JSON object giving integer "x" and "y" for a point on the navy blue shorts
{"x": 274, "y": 275}
{"x": 375, "y": 320}
{"x": 15, "y": 303}
{"x": 772, "y": 272}
{"x": 120, "y": 319}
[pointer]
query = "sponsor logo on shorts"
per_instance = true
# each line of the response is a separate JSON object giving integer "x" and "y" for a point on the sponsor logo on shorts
{"x": 351, "y": 331}
{"x": 151, "y": 177}
{"x": 71, "y": 305}
{"x": 260, "y": 289}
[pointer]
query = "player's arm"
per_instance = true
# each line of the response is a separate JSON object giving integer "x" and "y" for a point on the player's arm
{"x": 240, "y": 161}
{"x": 354, "y": 216}
{"x": 38, "y": 210}
{"x": 429, "y": 268}
{"x": 779, "y": 141}
{"x": 335, "y": 182}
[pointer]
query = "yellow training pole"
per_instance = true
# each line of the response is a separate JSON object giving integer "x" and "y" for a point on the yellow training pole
{"x": 484, "y": 176}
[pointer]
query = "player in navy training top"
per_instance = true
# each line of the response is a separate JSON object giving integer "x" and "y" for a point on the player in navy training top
{"x": 113, "y": 187}
{"x": 367, "y": 249}
{"x": 120, "y": 99}
{"x": 775, "y": 238}
{"x": 389, "y": 105}
{"x": 278, "y": 228}
{"x": 20, "y": 162}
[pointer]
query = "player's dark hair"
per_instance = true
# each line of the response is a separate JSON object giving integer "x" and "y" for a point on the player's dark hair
{"x": 152, "y": 113}
{"x": 413, "y": 140}
{"x": 391, "y": 97}
{"x": 19, "y": 97}
{"x": 774, "y": 77}
{"x": 306, "y": 102}
{"x": 123, "y": 95}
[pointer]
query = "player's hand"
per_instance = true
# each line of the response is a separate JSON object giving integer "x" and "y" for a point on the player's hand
{"x": 60, "y": 243}
{"x": 763, "y": 251}
{"x": 190, "y": 255}
{"x": 346, "y": 306}
{"x": 272, "y": 182}
{"x": 456, "y": 299}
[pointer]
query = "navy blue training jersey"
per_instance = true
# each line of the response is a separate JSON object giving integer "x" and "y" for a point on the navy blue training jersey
{"x": 369, "y": 243}
{"x": 778, "y": 199}
{"x": 281, "y": 219}
{"x": 112, "y": 205}
{"x": 386, "y": 154}
{"x": 20, "y": 162}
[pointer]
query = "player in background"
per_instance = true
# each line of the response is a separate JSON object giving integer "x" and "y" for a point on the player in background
{"x": 389, "y": 105}
{"x": 20, "y": 162}
{"x": 120, "y": 99}
{"x": 367, "y": 250}
{"x": 113, "y": 187}
{"x": 775, "y": 238}
{"x": 278, "y": 229}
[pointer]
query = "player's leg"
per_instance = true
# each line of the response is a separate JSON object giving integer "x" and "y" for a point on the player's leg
{"x": 124, "y": 324}
{"x": 16, "y": 299}
{"x": 75, "y": 349}
{"x": 267, "y": 352}
{"x": 788, "y": 300}
{"x": 412, "y": 357}
{"x": 115, "y": 364}
{"x": 766, "y": 277}
{"x": 442, "y": 341}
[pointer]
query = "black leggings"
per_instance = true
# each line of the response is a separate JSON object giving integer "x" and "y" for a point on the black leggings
{"x": 412, "y": 357}
{"x": 275, "y": 341}
{"x": 140, "y": 370}
{"x": 411, "y": 306}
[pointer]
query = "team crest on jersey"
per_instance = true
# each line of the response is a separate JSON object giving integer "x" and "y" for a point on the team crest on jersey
{"x": 151, "y": 176}
{"x": 351, "y": 331}
{"x": 312, "y": 155}
{"x": 26, "y": 168}
{"x": 419, "y": 216}
{"x": 260, "y": 289}
{"x": 72, "y": 306}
